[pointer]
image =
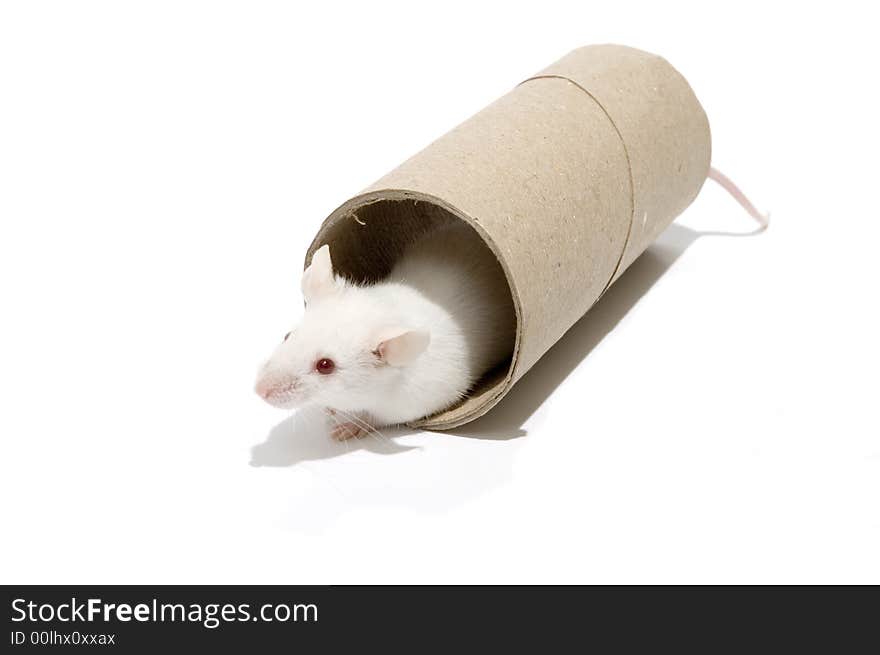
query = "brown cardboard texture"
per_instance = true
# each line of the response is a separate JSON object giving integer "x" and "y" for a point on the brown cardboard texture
{"x": 567, "y": 179}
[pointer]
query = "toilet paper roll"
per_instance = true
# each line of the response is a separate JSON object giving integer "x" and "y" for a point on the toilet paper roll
{"x": 567, "y": 179}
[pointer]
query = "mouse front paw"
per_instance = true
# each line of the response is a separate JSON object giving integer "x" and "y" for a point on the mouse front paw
{"x": 347, "y": 430}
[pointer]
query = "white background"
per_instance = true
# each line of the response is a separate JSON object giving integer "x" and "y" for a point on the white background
{"x": 163, "y": 167}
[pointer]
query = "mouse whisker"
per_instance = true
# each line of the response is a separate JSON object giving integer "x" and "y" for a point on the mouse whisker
{"x": 369, "y": 429}
{"x": 366, "y": 427}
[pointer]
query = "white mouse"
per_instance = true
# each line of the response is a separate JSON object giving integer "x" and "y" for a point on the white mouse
{"x": 400, "y": 349}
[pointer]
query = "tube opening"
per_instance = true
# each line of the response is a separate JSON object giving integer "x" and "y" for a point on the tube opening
{"x": 369, "y": 234}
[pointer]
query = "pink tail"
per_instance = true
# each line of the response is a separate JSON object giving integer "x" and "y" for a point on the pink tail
{"x": 739, "y": 196}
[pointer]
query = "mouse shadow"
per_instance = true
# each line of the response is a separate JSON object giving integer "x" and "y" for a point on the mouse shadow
{"x": 507, "y": 418}
{"x": 305, "y": 436}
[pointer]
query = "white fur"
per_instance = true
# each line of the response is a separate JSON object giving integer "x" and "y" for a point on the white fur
{"x": 444, "y": 300}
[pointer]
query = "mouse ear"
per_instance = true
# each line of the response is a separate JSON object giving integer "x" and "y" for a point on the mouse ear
{"x": 317, "y": 279}
{"x": 399, "y": 347}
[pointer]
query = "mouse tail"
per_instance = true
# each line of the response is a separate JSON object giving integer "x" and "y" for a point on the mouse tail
{"x": 727, "y": 184}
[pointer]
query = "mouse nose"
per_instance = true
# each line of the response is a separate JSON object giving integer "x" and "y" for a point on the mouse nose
{"x": 270, "y": 384}
{"x": 263, "y": 388}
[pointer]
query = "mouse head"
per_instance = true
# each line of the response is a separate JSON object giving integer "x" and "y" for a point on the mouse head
{"x": 345, "y": 353}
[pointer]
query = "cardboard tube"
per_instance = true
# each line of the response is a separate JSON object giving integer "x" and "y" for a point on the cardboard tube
{"x": 567, "y": 179}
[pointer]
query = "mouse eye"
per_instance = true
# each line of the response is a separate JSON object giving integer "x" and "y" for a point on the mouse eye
{"x": 324, "y": 366}
{"x": 286, "y": 336}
